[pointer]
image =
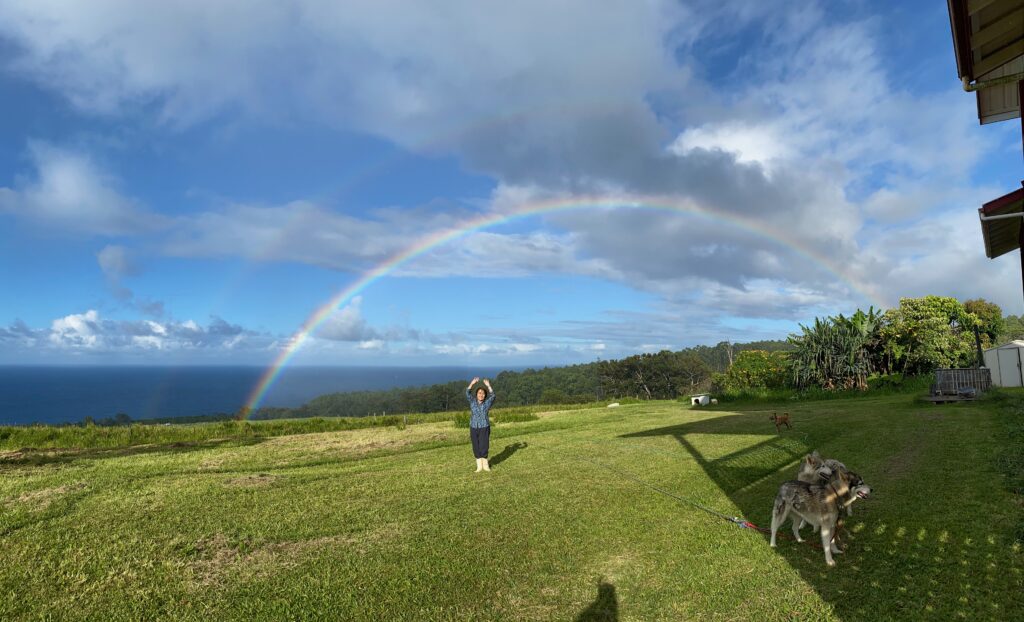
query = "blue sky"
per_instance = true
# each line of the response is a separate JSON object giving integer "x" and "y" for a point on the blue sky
{"x": 188, "y": 182}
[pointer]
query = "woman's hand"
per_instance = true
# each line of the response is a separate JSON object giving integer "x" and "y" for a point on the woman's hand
{"x": 475, "y": 380}
{"x": 488, "y": 383}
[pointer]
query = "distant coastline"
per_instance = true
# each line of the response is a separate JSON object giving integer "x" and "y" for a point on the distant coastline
{"x": 57, "y": 394}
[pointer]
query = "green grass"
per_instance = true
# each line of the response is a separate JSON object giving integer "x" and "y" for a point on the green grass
{"x": 392, "y": 524}
{"x": 93, "y": 436}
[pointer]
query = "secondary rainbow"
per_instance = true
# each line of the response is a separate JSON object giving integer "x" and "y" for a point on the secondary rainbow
{"x": 485, "y": 221}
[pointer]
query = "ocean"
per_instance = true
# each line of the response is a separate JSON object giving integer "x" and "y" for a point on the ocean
{"x": 69, "y": 394}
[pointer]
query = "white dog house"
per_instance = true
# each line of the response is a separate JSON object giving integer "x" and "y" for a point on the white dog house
{"x": 700, "y": 400}
{"x": 1005, "y": 364}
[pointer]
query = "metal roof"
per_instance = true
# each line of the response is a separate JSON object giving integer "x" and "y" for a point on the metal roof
{"x": 1013, "y": 344}
{"x": 988, "y": 39}
{"x": 1002, "y": 236}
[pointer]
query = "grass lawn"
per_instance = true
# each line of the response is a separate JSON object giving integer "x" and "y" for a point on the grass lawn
{"x": 392, "y": 524}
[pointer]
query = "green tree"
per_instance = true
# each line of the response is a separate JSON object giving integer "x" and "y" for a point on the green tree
{"x": 553, "y": 396}
{"x": 691, "y": 370}
{"x": 757, "y": 369}
{"x": 990, "y": 317}
{"x": 927, "y": 333}
{"x": 1013, "y": 328}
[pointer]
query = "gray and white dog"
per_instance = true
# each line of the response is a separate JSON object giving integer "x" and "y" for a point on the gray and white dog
{"x": 818, "y": 504}
{"x": 814, "y": 469}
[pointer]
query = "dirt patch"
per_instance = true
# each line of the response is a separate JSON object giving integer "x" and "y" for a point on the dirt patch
{"x": 255, "y": 480}
{"x": 355, "y": 443}
{"x": 30, "y": 455}
{"x": 904, "y": 461}
{"x": 351, "y": 444}
{"x": 210, "y": 464}
{"x": 217, "y": 556}
{"x": 617, "y": 565}
{"x": 41, "y": 499}
{"x": 12, "y": 456}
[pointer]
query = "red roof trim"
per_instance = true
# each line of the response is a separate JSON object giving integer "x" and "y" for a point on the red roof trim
{"x": 1001, "y": 202}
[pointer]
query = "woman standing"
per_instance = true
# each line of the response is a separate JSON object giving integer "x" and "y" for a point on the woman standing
{"x": 479, "y": 424}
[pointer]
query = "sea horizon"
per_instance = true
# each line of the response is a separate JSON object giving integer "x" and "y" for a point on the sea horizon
{"x": 68, "y": 393}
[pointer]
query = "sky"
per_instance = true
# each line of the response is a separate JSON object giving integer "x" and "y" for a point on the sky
{"x": 478, "y": 183}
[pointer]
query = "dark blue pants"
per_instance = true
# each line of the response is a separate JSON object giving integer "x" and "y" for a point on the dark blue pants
{"x": 481, "y": 438}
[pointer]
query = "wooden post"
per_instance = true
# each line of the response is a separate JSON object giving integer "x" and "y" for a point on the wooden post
{"x": 1020, "y": 109}
{"x": 977, "y": 342}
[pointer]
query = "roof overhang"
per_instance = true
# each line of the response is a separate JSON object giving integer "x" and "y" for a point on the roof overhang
{"x": 988, "y": 39}
{"x": 1002, "y": 235}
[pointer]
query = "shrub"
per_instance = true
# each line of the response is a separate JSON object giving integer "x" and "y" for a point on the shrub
{"x": 753, "y": 369}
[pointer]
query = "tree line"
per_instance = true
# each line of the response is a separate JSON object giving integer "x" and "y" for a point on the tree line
{"x": 661, "y": 375}
{"x": 837, "y": 353}
{"x": 833, "y": 353}
{"x": 842, "y": 352}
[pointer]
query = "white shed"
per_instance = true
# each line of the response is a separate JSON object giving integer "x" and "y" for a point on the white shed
{"x": 1005, "y": 364}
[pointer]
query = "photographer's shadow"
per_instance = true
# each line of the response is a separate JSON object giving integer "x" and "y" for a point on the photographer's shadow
{"x": 605, "y": 607}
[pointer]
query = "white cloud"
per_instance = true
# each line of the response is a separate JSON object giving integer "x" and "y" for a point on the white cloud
{"x": 348, "y": 324}
{"x": 302, "y": 231}
{"x": 71, "y": 193}
{"x": 413, "y": 72}
{"x": 750, "y": 143}
{"x": 116, "y": 262}
{"x": 90, "y": 333}
{"x": 77, "y": 331}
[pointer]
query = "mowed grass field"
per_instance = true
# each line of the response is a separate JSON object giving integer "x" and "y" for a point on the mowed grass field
{"x": 389, "y": 524}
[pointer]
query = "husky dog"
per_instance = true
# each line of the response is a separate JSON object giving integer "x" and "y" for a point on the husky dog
{"x": 815, "y": 469}
{"x": 818, "y": 504}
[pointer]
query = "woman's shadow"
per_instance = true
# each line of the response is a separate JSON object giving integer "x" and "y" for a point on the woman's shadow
{"x": 507, "y": 453}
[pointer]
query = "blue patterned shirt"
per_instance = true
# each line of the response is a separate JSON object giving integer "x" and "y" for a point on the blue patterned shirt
{"x": 478, "y": 418}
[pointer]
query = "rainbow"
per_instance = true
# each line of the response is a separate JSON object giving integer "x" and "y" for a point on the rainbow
{"x": 427, "y": 243}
